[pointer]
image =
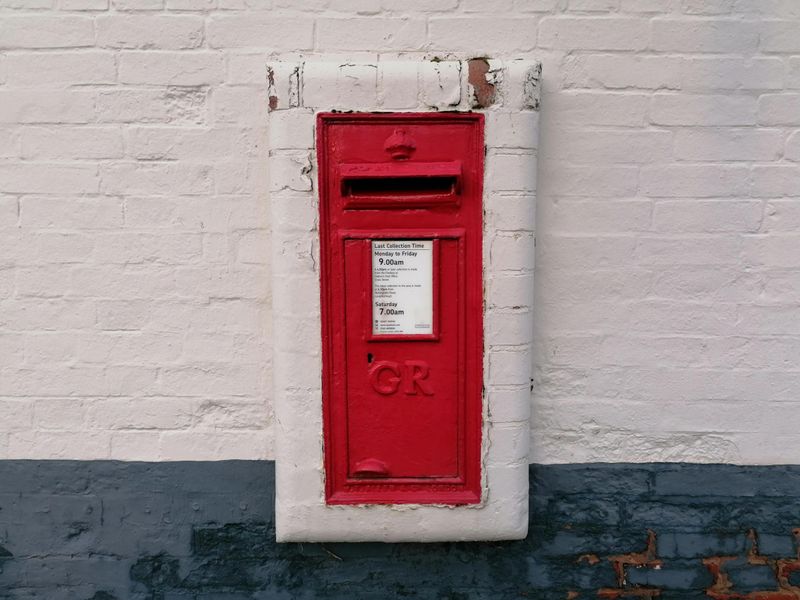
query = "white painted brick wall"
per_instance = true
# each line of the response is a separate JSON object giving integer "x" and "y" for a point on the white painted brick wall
{"x": 134, "y": 296}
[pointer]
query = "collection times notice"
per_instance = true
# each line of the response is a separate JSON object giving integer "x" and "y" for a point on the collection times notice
{"x": 402, "y": 286}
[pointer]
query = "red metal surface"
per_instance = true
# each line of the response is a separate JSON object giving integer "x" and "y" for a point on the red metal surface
{"x": 402, "y": 412}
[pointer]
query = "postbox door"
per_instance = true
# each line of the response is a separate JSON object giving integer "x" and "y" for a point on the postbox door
{"x": 403, "y": 392}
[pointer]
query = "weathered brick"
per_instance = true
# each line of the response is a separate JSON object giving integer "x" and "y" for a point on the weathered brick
{"x": 692, "y": 215}
{"x": 620, "y": 71}
{"x": 705, "y": 74}
{"x": 138, "y": 4}
{"x": 58, "y": 107}
{"x": 602, "y": 146}
{"x": 706, "y": 35}
{"x": 779, "y": 36}
{"x": 369, "y": 34}
{"x": 592, "y": 33}
{"x": 48, "y": 178}
{"x": 260, "y": 30}
{"x": 71, "y": 142}
{"x": 598, "y": 108}
{"x": 148, "y": 32}
{"x": 707, "y": 7}
{"x": 779, "y": 109}
{"x": 482, "y": 34}
{"x": 168, "y": 68}
{"x": 772, "y": 181}
{"x": 186, "y": 144}
{"x": 56, "y": 69}
{"x": 154, "y": 178}
{"x": 705, "y": 110}
{"x": 694, "y": 180}
{"x": 46, "y": 31}
{"x": 588, "y": 180}
{"x": 88, "y": 5}
{"x": 70, "y": 213}
{"x": 174, "y": 105}
{"x": 709, "y": 144}
{"x": 600, "y": 215}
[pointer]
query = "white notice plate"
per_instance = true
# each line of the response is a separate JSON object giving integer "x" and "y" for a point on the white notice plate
{"x": 402, "y": 286}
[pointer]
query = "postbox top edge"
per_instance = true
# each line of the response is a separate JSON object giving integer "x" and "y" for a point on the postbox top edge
{"x": 326, "y": 117}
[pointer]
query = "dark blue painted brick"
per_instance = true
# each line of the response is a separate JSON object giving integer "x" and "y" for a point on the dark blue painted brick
{"x": 747, "y": 578}
{"x": 591, "y": 480}
{"x": 202, "y": 531}
{"x": 765, "y": 514}
{"x": 728, "y": 481}
{"x": 700, "y": 545}
{"x": 665, "y": 516}
{"x": 570, "y": 544}
{"x": 676, "y": 575}
{"x": 683, "y": 595}
{"x": 594, "y": 512}
{"x": 776, "y": 546}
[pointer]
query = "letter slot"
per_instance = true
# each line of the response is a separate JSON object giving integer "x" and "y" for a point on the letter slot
{"x": 400, "y": 185}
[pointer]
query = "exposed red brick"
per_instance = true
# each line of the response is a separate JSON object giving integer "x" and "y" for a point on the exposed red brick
{"x": 629, "y": 593}
{"x": 273, "y": 100}
{"x": 484, "y": 91}
{"x": 783, "y": 568}
{"x": 721, "y": 587}
{"x": 621, "y": 562}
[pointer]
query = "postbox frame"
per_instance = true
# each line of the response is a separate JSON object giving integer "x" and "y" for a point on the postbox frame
{"x": 466, "y": 488}
{"x": 298, "y": 89}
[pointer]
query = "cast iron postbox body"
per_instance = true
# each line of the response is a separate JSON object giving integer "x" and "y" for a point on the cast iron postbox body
{"x": 401, "y": 268}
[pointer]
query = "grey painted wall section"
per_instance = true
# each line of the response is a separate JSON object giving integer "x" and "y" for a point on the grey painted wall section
{"x": 204, "y": 530}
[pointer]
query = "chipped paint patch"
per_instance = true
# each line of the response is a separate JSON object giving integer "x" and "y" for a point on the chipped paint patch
{"x": 481, "y": 86}
{"x": 782, "y": 568}
{"x": 531, "y": 88}
{"x": 622, "y": 562}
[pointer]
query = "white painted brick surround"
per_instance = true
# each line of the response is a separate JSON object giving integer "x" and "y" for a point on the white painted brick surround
{"x": 134, "y": 230}
{"x": 297, "y": 92}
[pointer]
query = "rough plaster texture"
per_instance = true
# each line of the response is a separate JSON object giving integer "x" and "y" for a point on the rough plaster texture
{"x": 297, "y": 92}
{"x": 134, "y": 284}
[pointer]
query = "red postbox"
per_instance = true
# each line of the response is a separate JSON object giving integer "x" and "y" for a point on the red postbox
{"x": 402, "y": 305}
